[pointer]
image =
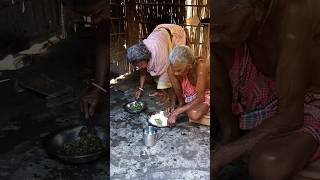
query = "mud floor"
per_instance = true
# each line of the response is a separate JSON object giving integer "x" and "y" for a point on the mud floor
{"x": 181, "y": 153}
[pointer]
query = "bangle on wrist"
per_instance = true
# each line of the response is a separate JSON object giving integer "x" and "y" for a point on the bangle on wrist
{"x": 141, "y": 89}
{"x": 99, "y": 87}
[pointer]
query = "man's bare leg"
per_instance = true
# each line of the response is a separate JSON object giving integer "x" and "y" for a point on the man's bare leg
{"x": 222, "y": 100}
{"x": 281, "y": 158}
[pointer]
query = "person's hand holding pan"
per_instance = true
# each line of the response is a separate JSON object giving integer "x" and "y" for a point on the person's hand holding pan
{"x": 89, "y": 101}
{"x": 138, "y": 93}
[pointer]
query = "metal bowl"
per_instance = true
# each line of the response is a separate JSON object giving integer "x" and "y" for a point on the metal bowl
{"x": 128, "y": 107}
{"x": 56, "y": 140}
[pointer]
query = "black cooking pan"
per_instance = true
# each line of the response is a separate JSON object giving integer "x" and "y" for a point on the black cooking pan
{"x": 56, "y": 140}
{"x": 128, "y": 107}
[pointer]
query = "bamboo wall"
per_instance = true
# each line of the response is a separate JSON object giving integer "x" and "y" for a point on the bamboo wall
{"x": 134, "y": 20}
{"x": 118, "y": 37}
{"x": 26, "y": 22}
{"x": 153, "y": 12}
{"x": 131, "y": 20}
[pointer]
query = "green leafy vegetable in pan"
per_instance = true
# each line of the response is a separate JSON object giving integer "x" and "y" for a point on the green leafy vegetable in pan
{"x": 136, "y": 106}
{"x": 88, "y": 143}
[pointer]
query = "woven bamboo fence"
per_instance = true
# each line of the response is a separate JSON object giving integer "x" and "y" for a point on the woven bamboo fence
{"x": 138, "y": 18}
{"x": 118, "y": 37}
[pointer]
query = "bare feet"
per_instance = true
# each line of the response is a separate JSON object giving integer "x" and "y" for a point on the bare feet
{"x": 156, "y": 93}
{"x": 164, "y": 99}
{"x": 162, "y": 96}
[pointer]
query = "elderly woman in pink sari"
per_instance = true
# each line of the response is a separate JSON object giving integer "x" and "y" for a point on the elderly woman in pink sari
{"x": 151, "y": 55}
{"x": 190, "y": 77}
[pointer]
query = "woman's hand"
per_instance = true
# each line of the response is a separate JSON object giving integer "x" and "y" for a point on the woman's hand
{"x": 138, "y": 93}
{"x": 172, "y": 118}
{"x": 169, "y": 110}
{"x": 89, "y": 101}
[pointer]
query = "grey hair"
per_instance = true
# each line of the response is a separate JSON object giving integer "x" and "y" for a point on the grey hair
{"x": 137, "y": 53}
{"x": 181, "y": 54}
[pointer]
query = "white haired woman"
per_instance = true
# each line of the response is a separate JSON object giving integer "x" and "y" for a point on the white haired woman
{"x": 190, "y": 78}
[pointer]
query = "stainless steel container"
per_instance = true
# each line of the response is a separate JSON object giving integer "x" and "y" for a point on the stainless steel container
{"x": 150, "y": 135}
